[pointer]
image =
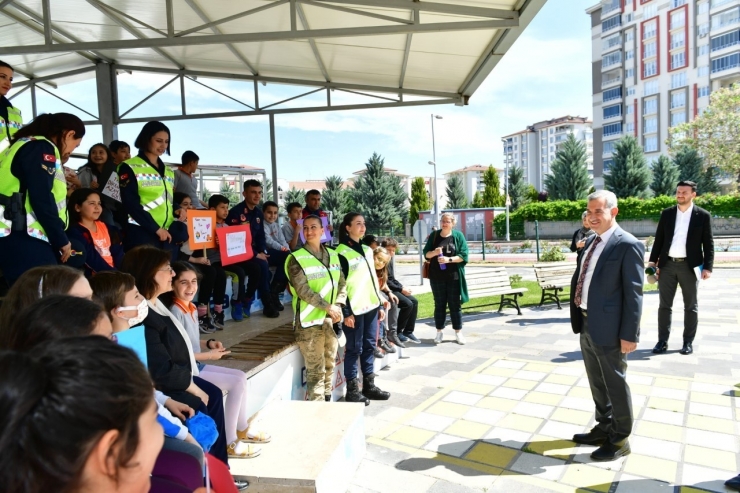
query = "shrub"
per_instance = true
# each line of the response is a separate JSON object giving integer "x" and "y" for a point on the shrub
{"x": 515, "y": 279}
{"x": 552, "y": 254}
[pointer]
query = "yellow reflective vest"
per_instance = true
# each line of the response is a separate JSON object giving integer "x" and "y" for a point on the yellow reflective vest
{"x": 155, "y": 191}
{"x": 14, "y": 123}
{"x": 361, "y": 282}
{"x": 321, "y": 280}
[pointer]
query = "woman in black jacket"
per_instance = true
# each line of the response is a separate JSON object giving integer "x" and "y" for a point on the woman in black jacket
{"x": 169, "y": 354}
{"x": 581, "y": 235}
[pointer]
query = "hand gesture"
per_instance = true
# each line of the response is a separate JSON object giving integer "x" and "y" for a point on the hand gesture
{"x": 200, "y": 394}
{"x": 438, "y": 251}
{"x": 706, "y": 274}
{"x": 217, "y": 353}
{"x": 262, "y": 256}
{"x": 581, "y": 244}
{"x": 335, "y": 313}
{"x": 66, "y": 252}
{"x": 164, "y": 235}
{"x": 178, "y": 409}
{"x": 628, "y": 347}
{"x": 350, "y": 322}
{"x": 381, "y": 315}
{"x": 394, "y": 298}
{"x": 406, "y": 292}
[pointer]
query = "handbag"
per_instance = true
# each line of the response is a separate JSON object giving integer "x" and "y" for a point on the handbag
{"x": 425, "y": 267}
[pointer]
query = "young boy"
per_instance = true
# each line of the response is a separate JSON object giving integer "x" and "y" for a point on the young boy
{"x": 277, "y": 251}
{"x": 291, "y": 231}
{"x": 120, "y": 150}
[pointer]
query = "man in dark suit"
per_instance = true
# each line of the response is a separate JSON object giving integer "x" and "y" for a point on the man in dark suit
{"x": 683, "y": 242}
{"x": 605, "y": 309}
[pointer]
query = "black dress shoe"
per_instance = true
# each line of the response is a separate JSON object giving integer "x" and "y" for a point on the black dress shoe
{"x": 734, "y": 483}
{"x": 661, "y": 347}
{"x": 593, "y": 437}
{"x": 610, "y": 451}
{"x": 687, "y": 348}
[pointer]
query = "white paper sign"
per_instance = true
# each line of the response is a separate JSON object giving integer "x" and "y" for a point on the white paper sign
{"x": 202, "y": 229}
{"x": 236, "y": 243}
{"x": 112, "y": 189}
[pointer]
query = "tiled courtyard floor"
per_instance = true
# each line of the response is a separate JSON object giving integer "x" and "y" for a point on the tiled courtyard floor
{"x": 498, "y": 413}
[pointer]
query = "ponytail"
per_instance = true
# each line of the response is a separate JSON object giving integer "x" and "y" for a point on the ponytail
{"x": 52, "y": 126}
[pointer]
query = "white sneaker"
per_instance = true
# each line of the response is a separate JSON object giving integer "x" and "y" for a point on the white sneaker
{"x": 438, "y": 337}
{"x": 460, "y": 338}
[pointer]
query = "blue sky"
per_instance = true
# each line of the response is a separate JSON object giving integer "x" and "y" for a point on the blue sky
{"x": 546, "y": 74}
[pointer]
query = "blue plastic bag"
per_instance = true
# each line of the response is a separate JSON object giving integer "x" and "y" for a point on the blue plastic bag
{"x": 203, "y": 429}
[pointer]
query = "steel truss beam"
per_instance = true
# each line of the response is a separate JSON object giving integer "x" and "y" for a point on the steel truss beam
{"x": 157, "y": 43}
{"x": 231, "y": 18}
{"x": 442, "y": 8}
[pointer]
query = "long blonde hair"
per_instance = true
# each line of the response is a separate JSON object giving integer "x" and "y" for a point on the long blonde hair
{"x": 380, "y": 254}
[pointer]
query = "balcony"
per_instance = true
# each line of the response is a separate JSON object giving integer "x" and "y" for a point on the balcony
{"x": 608, "y": 6}
{"x": 611, "y": 81}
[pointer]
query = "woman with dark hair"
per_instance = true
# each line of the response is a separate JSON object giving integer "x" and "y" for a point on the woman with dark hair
{"x": 103, "y": 249}
{"x": 10, "y": 117}
{"x": 37, "y": 283}
{"x": 581, "y": 235}
{"x": 33, "y": 194}
{"x": 362, "y": 312}
{"x": 77, "y": 414}
{"x": 54, "y": 317}
{"x": 147, "y": 191}
{"x": 169, "y": 352}
{"x": 95, "y": 174}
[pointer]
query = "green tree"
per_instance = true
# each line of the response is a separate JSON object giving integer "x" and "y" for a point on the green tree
{"x": 227, "y": 191}
{"x": 266, "y": 192}
{"x": 665, "y": 177}
{"x": 689, "y": 163}
{"x": 477, "y": 201}
{"x": 715, "y": 134}
{"x": 334, "y": 199}
{"x": 456, "y": 193}
{"x": 376, "y": 197}
{"x": 492, "y": 196}
{"x": 709, "y": 181}
{"x": 532, "y": 194}
{"x": 294, "y": 195}
{"x": 518, "y": 188}
{"x": 629, "y": 176}
{"x": 568, "y": 178}
{"x": 419, "y": 199}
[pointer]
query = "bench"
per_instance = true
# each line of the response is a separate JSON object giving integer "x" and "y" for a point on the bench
{"x": 552, "y": 278}
{"x": 493, "y": 282}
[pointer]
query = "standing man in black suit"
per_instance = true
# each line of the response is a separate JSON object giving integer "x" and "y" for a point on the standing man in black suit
{"x": 683, "y": 242}
{"x": 605, "y": 309}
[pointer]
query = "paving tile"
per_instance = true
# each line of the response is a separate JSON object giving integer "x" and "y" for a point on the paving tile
{"x": 640, "y": 389}
{"x": 578, "y": 404}
{"x": 665, "y": 417}
{"x": 539, "y": 367}
{"x": 666, "y": 404}
{"x": 651, "y": 467}
{"x": 521, "y": 423}
{"x": 561, "y": 430}
{"x": 539, "y": 466}
{"x": 710, "y": 439}
{"x": 710, "y": 388}
{"x": 509, "y": 438}
{"x": 488, "y": 379}
{"x": 465, "y": 398}
{"x": 493, "y": 455}
{"x": 711, "y": 410}
{"x": 572, "y": 416}
{"x": 510, "y": 482}
{"x": 468, "y": 429}
{"x": 660, "y": 431}
{"x": 634, "y": 484}
{"x": 670, "y": 393}
{"x": 583, "y": 382}
{"x": 499, "y": 372}
{"x": 705, "y": 477}
{"x": 517, "y": 383}
{"x": 710, "y": 457}
{"x": 385, "y": 479}
{"x": 704, "y": 398}
{"x": 448, "y": 409}
{"x": 569, "y": 370}
{"x": 453, "y": 486}
{"x": 639, "y": 379}
{"x": 553, "y": 388}
{"x": 561, "y": 379}
{"x": 497, "y": 403}
{"x": 475, "y": 388}
{"x": 584, "y": 476}
{"x": 534, "y": 410}
{"x": 507, "y": 393}
{"x": 561, "y": 448}
{"x": 535, "y": 376}
{"x": 431, "y": 422}
{"x": 654, "y": 447}
{"x": 543, "y": 398}
{"x": 581, "y": 393}
{"x": 504, "y": 363}
{"x": 710, "y": 424}
{"x": 485, "y": 416}
{"x": 449, "y": 445}
{"x": 411, "y": 436}
{"x": 671, "y": 383}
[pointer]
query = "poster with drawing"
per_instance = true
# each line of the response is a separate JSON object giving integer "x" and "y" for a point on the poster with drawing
{"x": 201, "y": 225}
{"x": 112, "y": 189}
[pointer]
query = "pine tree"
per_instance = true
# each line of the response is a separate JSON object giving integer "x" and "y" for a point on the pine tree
{"x": 376, "y": 197}
{"x": 294, "y": 195}
{"x": 689, "y": 163}
{"x": 456, "y": 193}
{"x": 568, "y": 178}
{"x": 334, "y": 199}
{"x": 266, "y": 192}
{"x": 665, "y": 177}
{"x": 492, "y": 196}
{"x": 229, "y": 192}
{"x": 399, "y": 200}
{"x": 477, "y": 201}
{"x": 709, "y": 181}
{"x": 419, "y": 199}
{"x": 518, "y": 188}
{"x": 629, "y": 176}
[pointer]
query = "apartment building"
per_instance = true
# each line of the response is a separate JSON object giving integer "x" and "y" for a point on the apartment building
{"x": 534, "y": 148}
{"x": 472, "y": 179}
{"x": 654, "y": 64}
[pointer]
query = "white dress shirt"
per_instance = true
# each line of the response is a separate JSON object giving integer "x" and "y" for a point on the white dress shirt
{"x": 592, "y": 264}
{"x": 680, "y": 233}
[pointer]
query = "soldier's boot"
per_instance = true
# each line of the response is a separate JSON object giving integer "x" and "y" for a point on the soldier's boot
{"x": 393, "y": 337}
{"x": 388, "y": 348}
{"x": 370, "y": 391}
{"x": 353, "y": 392}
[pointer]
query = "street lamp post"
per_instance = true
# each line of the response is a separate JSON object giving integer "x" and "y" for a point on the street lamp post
{"x": 506, "y": 180}
{"x": 434, "y": 163}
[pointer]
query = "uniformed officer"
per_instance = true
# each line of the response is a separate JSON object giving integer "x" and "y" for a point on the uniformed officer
{"x": 146, "y": 185}
{"x": 362, "y": 312}
{"x": 317, "y": 286}
{"x": 10, "y": 116}
{"x": 33, "y": 193}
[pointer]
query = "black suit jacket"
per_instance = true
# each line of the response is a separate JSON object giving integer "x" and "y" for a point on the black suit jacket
{"x": 699, "y": 240}
{"x": 393, "y": 283}
{"x": 615, "y": 292}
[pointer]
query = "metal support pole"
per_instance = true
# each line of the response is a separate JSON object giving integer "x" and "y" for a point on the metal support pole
{"x": 483, "y": 239}
{"x": 202, "y": 188}
{"x": 107, "y": 89}
{"x": 537, "y": 237}
{"x": 434, "y": 159}
{"x": 182, "y": 95}
{"x": 33, "y": 100}
{"x": 506, "y": 180}
{"x": 273, "y": 157}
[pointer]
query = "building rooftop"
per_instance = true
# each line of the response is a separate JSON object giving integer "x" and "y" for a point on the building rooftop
{"x": 388, "y": 170}
{"x": 475, "y": 167}
{"x": 562, "y": 119}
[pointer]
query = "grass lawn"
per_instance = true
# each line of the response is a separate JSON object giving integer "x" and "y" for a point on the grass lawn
{"x": 490, "y": 303}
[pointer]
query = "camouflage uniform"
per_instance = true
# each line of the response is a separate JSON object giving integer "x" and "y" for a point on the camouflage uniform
{"x": 318, "y": 344}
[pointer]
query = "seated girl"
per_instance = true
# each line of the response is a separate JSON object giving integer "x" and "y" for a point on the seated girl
{"x": 103, "y": 248}
{"x": 386, "y": 327}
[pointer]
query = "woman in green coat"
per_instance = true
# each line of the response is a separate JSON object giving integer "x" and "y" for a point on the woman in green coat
{"x": 447, "y": 252}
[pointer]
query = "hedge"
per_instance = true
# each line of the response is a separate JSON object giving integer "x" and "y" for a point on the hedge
{"x": 630, "y": 208}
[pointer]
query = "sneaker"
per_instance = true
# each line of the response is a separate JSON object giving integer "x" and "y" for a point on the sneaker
{"x": 237, "y": 311}
{"x": 205, "y": 325}
{"x": 247, "y": 307}
{"x": 460, "y": 338}
{"x": 438, "y": 337}
{"x": 402, "y": 337}
{"x": 411, "y": 337}
{"x": 218, "y": 320}
{"x": 241, "y": 484}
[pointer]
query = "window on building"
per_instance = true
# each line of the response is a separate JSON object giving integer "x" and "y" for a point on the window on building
{"x": 608, "y": 163}
{"x": 650, "y": 11}
{"x": 629, "y": 35}
{"x": 631, "y": 91}
{"x": 703, "y": 7}
{"x": 612, "y": 129}
{"x": 650, "y": 125}
{"x": 678, "y": 39}
{"x": 702, "y": 29}
{"x": 702, "y": 92}
{"x": 703, "y": 49}
{"x": 611, "y": 94}
{"x": 650, "y": 69}
{"x": 630, "y": 72}
{"x": 629, "y": 109}
{"x": 651, "y": 144}
{"x": 678, "y": 80}
{"x": 611, "y": 22}
{"x": 677, "y": 3}
{"x": 650, "y": 106}
{"x": 609, "y": 147}
{"x": 702, "y": 71}
{"x": 678, "y": 60}
{"x": 719, "y": 3}
{"x": 725, "y": 40}
{"x": 678, "y": 19}
{"x": 611, "y": 42}
{"x": 649, "y": 50}
{"x": 629, "y": 54}
{"x": 726, "y": 18}
{"x": 629, "y": 128}
{"x": 649, "y": 29}
{"x": 678, "y": 99}
{"x": 726, "y": 62}
{"x": 678, "y": 118}
{"x": 552, "y": 130}
{"x": 612, "y": 111}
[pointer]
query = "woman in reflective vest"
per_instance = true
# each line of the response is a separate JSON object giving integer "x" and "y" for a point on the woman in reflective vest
{"x": 146, "y": 185}
{"x": 317, "y": 286}
{"x": 33, "y": 193}
{"x": 362, "y": 312}
{"x": 10, "y": 117}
